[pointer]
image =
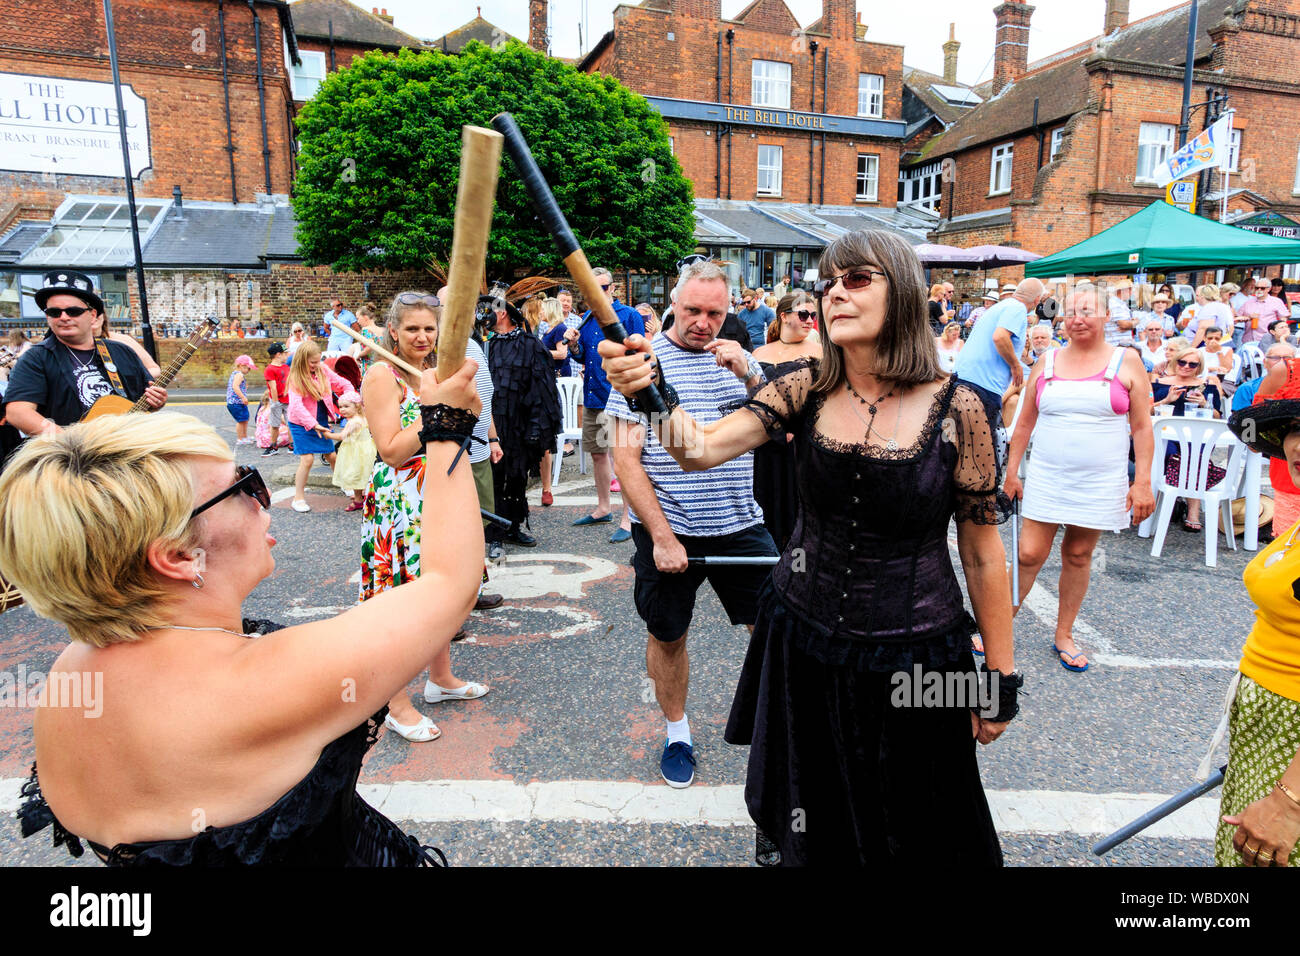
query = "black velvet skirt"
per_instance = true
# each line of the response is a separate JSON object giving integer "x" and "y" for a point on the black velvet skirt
{"x": 839, "y": 775}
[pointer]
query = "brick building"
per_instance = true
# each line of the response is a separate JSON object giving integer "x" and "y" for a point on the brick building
{"x": 332, "y": 33}
{"x": 791, "y": 135}
{"x": 1066, "y": 147}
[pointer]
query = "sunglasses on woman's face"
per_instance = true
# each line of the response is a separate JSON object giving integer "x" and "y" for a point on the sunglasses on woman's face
{"x": 806, "y": 315}
{"x": 249, "y": 481}
{"x": 72, "y": 312}
{"x": 854, "y": 280}
{"x": 1182, "y": 364}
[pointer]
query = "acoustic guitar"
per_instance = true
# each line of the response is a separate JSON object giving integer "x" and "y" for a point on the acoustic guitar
{"x": 117, "y": 405}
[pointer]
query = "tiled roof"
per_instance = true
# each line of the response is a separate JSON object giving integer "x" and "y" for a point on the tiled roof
{"x": 217, "y": 234}
{"x": 1061, "y": 84}
{"x": 351, "y": 24}
{"x": 477, "y": 29}
{"x": 761, "y": 230}
{"x": 921, "y": 83}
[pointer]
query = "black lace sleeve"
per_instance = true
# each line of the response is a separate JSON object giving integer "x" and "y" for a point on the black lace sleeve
{"x": 977, "y": 477}
{"x": 34, "y": 815}
{"x": 780, "y": 402}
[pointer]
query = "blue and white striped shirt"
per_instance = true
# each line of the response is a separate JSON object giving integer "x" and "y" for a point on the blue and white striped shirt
{"x": 700, "y": 503}
{"x": 483, "y": 382}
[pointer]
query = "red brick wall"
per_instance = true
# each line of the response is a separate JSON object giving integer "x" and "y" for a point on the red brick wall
{"x": 344, "y": 53}
{"x": 1091, "y": 187}
{"x": 686, "y": 68}
{"x": 178, "y": 72}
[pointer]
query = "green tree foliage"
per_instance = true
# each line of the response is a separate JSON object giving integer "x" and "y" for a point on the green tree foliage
{"x": 380, "y": 161}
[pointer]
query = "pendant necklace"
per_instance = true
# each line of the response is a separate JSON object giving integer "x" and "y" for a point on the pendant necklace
{"x": 1279, "y": 555}
{"x": 890, "y": 443}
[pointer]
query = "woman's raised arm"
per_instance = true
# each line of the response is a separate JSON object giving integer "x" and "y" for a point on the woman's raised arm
{"x": 630, "y": 367}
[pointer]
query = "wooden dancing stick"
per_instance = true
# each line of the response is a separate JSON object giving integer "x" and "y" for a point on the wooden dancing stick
{"x": 378, "y": 349}
{"x": 480, "y": 164}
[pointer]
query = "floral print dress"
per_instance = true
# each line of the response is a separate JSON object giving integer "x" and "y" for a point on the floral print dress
{"x": 390, "y": 517}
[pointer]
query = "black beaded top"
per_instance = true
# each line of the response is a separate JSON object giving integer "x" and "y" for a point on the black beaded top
{"x": 868, "y": 562}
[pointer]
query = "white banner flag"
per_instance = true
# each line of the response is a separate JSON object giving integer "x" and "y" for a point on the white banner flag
{"x": 1207, "y": 151}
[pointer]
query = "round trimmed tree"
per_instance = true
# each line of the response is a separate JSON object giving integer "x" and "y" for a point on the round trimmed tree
{"x": 380, "y": 160}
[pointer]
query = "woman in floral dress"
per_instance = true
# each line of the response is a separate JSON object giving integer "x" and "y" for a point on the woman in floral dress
{"x": 390, "y": 533}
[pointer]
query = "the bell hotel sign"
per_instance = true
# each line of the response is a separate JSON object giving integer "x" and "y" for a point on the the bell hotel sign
{"x": 54, "y": 125}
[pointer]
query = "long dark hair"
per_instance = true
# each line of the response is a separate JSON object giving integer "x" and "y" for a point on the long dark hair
{"x": 905, "y": 351}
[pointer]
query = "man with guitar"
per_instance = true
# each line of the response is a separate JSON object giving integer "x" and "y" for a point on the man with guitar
{"x": 56, "y": 383}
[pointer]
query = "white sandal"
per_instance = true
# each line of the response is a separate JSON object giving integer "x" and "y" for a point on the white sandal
{"x": 301, "y": 506}
{"x": 417, "y": 733}
{"x": 433, "y": 694}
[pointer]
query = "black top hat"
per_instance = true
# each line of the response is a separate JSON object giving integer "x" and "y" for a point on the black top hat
{"x": 1264, "y": 427}
{"x": 69, "y": 283}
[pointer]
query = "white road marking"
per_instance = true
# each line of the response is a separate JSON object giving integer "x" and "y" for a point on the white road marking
{"x": 575, "y": 501}
{"x": 535, "y": 575}
{"x": 1042, "y": 603}
{"x": 281, "y": 494}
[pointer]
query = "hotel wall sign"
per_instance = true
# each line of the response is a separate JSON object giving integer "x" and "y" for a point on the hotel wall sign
{"x": 772, "y": 118}
{"x": 53, "y": 125}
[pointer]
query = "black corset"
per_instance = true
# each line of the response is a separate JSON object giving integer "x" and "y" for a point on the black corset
{"x": 869, "y": 561}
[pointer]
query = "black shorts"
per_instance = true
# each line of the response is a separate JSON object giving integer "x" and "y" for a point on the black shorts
{"x": 667, "y": 601}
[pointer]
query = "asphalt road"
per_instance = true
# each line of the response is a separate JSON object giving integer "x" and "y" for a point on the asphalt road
{"x": 559, "y": 763}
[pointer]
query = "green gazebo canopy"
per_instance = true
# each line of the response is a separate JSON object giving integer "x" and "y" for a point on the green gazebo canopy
{"x": 1163, "y": 238}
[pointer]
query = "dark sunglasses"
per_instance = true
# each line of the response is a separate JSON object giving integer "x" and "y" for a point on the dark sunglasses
{"x": 249, "y": 482}
{"x": 72, "y": 312}
{"x": 1183, "y": 364}
{"x": 414, "y": 298}
{"x": 605, "y": 288}
{"x": 854, "y": 280}
{"x": 806, "y": 315}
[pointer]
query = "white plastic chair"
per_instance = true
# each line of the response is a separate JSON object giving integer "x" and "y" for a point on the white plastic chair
{"x": 570, "y": 401}
{"x": 1196, "y": 439}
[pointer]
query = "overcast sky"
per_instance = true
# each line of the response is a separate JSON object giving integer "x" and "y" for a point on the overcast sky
{"x": 920, "y": 26}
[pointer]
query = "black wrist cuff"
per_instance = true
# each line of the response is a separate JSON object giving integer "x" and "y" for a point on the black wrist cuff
{"x": 446, "y": 423}
{"x": 1000, "y": 695}
{"x": 666, "y": 392}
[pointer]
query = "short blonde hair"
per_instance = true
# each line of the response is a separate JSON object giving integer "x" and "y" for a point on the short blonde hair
{"x": 79, "y": 510}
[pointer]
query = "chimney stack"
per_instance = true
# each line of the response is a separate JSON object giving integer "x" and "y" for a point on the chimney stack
{"x": 950, "y": 55}
{"x": 1116, "y": 16}
{"x": 1011, "y": 46}
{"x": 839, "y": 18}
{"x": 382, "y": 14}
{"x": 539, "y": 34}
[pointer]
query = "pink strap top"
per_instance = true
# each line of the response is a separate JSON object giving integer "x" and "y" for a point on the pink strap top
{"x": 1119, "y": 402}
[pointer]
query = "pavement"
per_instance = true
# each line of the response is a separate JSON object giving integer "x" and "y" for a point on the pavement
{"x": 559, "y": 763}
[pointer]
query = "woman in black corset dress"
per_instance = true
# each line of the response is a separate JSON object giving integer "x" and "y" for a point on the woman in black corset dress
{"x": 140, "y": 535}
{"x": 775, "y": 485}
{"x": 845, "y": 767}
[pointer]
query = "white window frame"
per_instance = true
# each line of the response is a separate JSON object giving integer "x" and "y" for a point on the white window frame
{"x": 1234, "y": 150}
{"x": 1001, "y": 158}
{"x": 1295, "y": 186}
{"x": 1058, "y": 137}
{"x": 869, "y": 176}
{"x": 771, "y": 84}
{"x": 299, "y": 74}
{"x": 773, "y": 187}
{"x": 871, "y": 95}
{"x": 1156, "y": 144}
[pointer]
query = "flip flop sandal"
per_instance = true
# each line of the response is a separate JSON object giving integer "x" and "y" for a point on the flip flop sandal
{"x": 433, "y": 694}
{"x": 1193, "y": 526}
{"x": 419, "y": 733}
{"x": 1073, "y": 657}
{"x": 978, "y": 651}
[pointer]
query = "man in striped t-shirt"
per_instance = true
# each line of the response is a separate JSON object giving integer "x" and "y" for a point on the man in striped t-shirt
{"x": 678, "y": 514}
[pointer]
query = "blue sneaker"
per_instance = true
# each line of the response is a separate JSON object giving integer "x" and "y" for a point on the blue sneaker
{"x": 677, "y": 764}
